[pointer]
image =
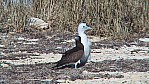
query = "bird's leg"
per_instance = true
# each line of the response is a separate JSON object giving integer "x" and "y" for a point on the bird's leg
{"x": 76, "y": 65}
{"x": 78, "y": 62}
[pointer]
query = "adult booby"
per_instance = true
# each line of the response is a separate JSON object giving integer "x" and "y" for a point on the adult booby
{"x": 85, "y": 41}
{"x": 73, "y": 55}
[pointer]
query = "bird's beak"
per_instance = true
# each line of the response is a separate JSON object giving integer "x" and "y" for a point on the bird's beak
{"x": 89, "y": 27}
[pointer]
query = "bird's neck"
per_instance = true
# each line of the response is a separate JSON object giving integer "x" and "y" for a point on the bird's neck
{"x": 81, "y": 33}
{"x": 83, "y": 36}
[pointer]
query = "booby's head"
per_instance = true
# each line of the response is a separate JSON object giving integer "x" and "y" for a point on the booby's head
{"x": 83, "y": 27}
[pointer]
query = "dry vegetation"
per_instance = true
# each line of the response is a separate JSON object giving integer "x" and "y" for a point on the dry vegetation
{"x": 117, "y": 18}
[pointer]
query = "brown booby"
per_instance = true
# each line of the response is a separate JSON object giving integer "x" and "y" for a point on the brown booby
{"x": 73, "y": 55}
{"x": 86, "y": 43}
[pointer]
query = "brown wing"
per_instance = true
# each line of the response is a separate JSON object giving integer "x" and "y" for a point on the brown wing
{"x": 71, "y": 56}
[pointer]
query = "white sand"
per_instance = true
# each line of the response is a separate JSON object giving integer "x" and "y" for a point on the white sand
{"x": 129, "y": 78}
{"x": 42, "y": 58}
{"x": 122, "y": 53}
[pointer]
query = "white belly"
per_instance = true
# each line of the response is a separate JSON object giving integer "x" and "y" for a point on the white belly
{"x": 84, "y": 41}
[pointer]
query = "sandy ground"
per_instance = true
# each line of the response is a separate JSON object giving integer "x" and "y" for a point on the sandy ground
{"x": 97, "y": 55}
{"x": 129, "y": 78}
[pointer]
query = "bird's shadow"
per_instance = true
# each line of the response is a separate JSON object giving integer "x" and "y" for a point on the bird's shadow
{"x": 72, "y": 66}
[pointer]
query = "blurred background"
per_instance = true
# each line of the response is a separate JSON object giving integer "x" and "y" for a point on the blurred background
{"x": 116, "y": 18}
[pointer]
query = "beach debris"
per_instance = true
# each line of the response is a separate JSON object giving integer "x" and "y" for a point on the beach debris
{"x": 37, "y": 23}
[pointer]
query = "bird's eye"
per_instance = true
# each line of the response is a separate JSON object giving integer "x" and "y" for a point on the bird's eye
{"x": 83, "y": 26}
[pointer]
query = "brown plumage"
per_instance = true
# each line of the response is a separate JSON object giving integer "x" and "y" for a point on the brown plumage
{"x": 73, "y": 55}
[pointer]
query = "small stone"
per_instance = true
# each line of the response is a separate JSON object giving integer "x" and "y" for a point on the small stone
{"x": 5, "y": 65}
